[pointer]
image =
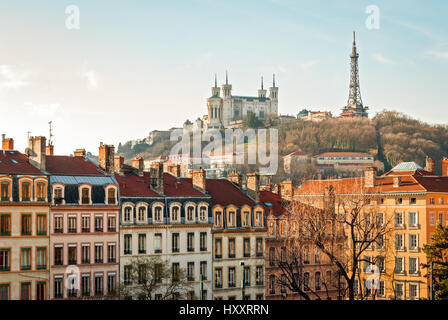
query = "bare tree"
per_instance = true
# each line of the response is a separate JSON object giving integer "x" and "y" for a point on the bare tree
{"x": 146, "y": 277}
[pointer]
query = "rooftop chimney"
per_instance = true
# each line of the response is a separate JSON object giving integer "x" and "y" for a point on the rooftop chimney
{"x": 49, "y": 150}
{"x": 287, "y": 190}
{"x": 429, "y": 165}
{"x": 157, "y": 177}
{"x": 79, "y": 153}
{"x": 7, "y": 143}
{"x": 253, "y": 186}
{"x": 118, "y": 163}
{"x": 106, "y": 157}
{"x": 199, "y": 179}
{"x": 397, "y": 181}
{"x": 236, "y": 178}
{"x": 174, "y": 169}
{"x": 138, "y": 164}
{"x": 370, "y": 177}
{"x": 444, "y": 167}
{"x": 37, "y": 151}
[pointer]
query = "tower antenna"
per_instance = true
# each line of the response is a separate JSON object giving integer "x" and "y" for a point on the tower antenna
{"x": 50, "y": 142}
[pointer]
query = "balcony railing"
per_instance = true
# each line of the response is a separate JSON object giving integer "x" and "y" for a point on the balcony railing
{"x": 58, "y": 230}
{"x": 85, "y": 261}
{"x": 112, "y": 229}
{"x": 72, "y": 230}
{"x": 111, "y": 259}
{"x": 41, "y": 267}
{"x": 98, "y": 260}
{"x": 85, "y": 230}
{"x": 5, "y": 234}
{"x": 4, "y": 268}
{"x": 25, "y": 267}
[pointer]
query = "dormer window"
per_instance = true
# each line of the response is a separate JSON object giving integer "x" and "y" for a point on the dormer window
{"x": 85, "y": 195}
{"x": 26, "y": 191}
{"x": 218, "y": 219}
{"x": 58, "y": 195}
{"x": 4, "y": 191}
{"x": 111, "y": 196}
{"x": 41, "y": 193}
{"x": 246, "y": 215}
{"x": 158, "y": 214}
{"x": 190, "y": 213}
{"x": 232, "y": 221}
{"x": 127, "y": 214}
{"x": 259, "y": 218}
{"x": 202, "y": 213}
{"x": 175, "y": 213}
{"x": 142, "y": 214}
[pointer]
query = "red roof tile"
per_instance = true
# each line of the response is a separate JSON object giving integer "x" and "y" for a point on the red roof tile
{"x": 276, "y": 207}
{"x": 224, "y": 192}
{"x": 67, "y": 165}
{"x": 14, "y": 162}
{"x": 135, "y": 186}
{"x": 179, "y": 187}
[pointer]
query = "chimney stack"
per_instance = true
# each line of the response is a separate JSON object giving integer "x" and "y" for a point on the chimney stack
{"x": 49, "y": 150}
{"x": 174, "y": 169}
{"x": 287, "y": 190}
{"x": 7, "y": 143}
{"x": 118, "y": 163}
{"x": 444, "y": 167}
{"x": 236, "y": 178}
{"x": 106, "y": 158}
{"x": 199, "y": 179}
{"x": 37, "y": 152}
{"x": 253, "y": 186}
{"x": 397, "y": 181}
{"x": 138, "y": 164}
{"x": 370, "y": 177}
{"x": 79, "y": 153}
{"x": 429, "y": 165}
{"x": 156, "y": 174}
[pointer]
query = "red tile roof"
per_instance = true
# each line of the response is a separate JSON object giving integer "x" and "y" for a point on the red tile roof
{"x": 344, "y": 154}
{"x": 179, "y": 187}
{"x": 225, "y": 193}
{"x": 67, "y": 165}
{"x": 14, "y": 162}
{"x": 135, "y": 186}
{"x": 296, "y": 153}
{"x": 272, "y": 204}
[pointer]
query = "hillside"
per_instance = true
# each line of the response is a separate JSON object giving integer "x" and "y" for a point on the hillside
{"x": 391, "y": 136}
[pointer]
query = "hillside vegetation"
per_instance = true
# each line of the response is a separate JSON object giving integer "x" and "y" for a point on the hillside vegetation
{"x": 391, "y": 136}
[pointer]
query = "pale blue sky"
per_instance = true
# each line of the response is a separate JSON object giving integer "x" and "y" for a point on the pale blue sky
{"x": 136, "y": 66}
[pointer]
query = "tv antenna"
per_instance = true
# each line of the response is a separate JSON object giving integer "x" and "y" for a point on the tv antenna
{"x": 50, "y": 142}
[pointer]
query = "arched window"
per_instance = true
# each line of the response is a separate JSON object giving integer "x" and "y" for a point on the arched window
{"x": 26, "y": 191}
{"x": 202, "y": 213}
{"x": 259, "y": 215}
{"x": 175, "y": 213}
{"x": 218, "y": 219}
{"x": 246, "y": 218}
{"x": 127, "y": 214}
{"x": 111, "y": 196}
{"x": 58, "y": 195}
{"x": 5, "y": 194}
{"x": 85, "y": 196}
{"x": 141, "y": 214}
{"x": 41, "y": 193}
{"x": 190, "y": 213}
{"x": 158, "y": 214}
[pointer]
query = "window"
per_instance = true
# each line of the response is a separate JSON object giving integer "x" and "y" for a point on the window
{"x": 379, "y": 219}
{"x": 432, "y": 218}
{"x": 317, "y": 281}
{"x": 41, "y": 258}
{"x": 58, "y": 287}
{"x": 190, "y": 271}
{"x": 231, "y": 247}
{"x": 246, "y": 215}
{"x": 306, "y": 281}
{"x": 306, "y": 255}
{"x": 380, "y": 264}
{"x": 175, "y": 242}
{"x": 58, "y": 196}
{"x": 158, "y": 214}
{"x": 111, "y": 224}
{"x": 218, "y": 248}
{"x": 175, "y": 271}
{"x": 5, "y": 195}
{"x": 317, "y": 256}
{"x": 399, "y": 241}
{"x": 431, "y": 201}
{"x": 85, "y": 254}
{"x": 142, "y": 273}
{"x": 413, "y": 220}
{"x": 26, "y": 224}
{"x": 440, "y": 218}
{"x": 40, "y": 192}
{"x": 381, "y": 288}
{"x": 413, "y": 241}
{"x": 25, "y": 259}
{"x": 98, "y": 285}
{"x": 111, "y": 253}
{"x": 127, "y": 274}
{"x": 218, "y": 219}
{"x": 259, "y": 276}
{"x": 58, "y": 255}
{"x": 218, "y": 278}
{"x": 399, "y": 265}
{"x": 398, "y": 219}
{"x": 440, "y": 200}
{"x": 203, "y": 241}
{"x": 58, "y": 224}
{"x": 399, "y": 290}
{"x": 98, "y": 253}
{"x": 158, "y": 243}
{"x": 85, "y": 224}
{"x": 5, "y": 225}
{"x": 259, "y": 247}
{"x": 26, "y": 191}
{"x": 232, "y": 280}
{"x": 259, "y": 215}
{"x": 232, "y": 221}
{"x": 272, "y": 228}
{"x": 380, "y": 242}
{"x": 399, "y": 201}
{"x": 283, "y": 257}
{"x": 128, "y": 244}
{"x": 413, "y": 265}
{"x": 367, "y": 264}
{"x": 246, "y": 274}
{"x": 111, "y": 281}
{"x": 99, "y": 224}
{"x": 175, "y": 214}
{"x": 141, "y": 214}
{"x": 246, "y": 247}
{"x": 85, "y": 196}
{"x": 111, "y": 196}
{"x": 72, "y": 255}
{"x": 272, "y": 284}
{"x": 85, "y": 285}
{"x": 142, "y": 243}
{"x": 72, "y": 224}
{"x": 271, "y": 256}
{"x": 203, "y": 270}
{"x": 127, "y": 214}
{"x": 202, "y": 213}
{"x": 190, "y": 241}
{"x": 190, "y": 213}
{"x": 413, "y": 291}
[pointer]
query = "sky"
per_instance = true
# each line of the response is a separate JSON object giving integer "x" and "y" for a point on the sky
{"x": 141, "y": 65}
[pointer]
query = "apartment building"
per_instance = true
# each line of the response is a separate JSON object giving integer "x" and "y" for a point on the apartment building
{"x": 24, "y": 236}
